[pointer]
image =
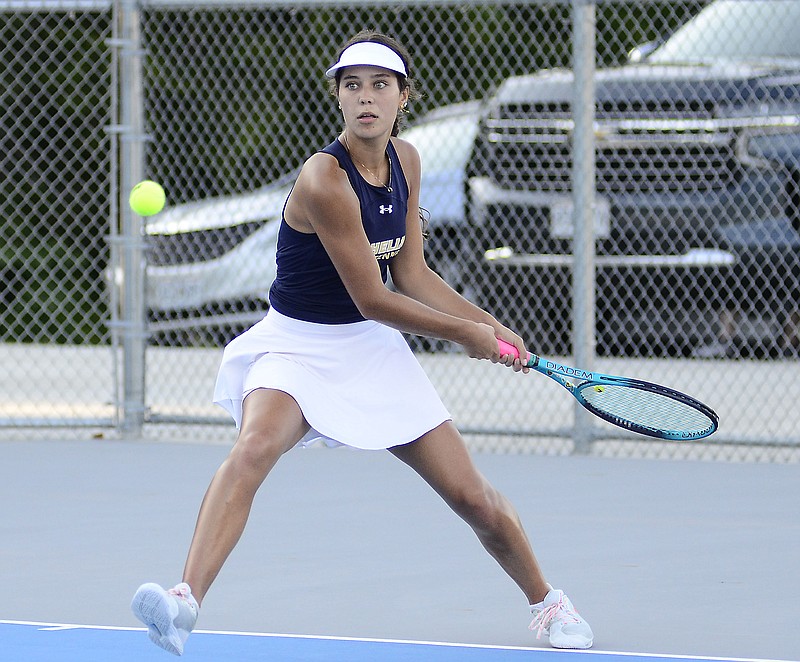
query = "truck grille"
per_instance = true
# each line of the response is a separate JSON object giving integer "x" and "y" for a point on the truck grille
{"x": 678, "y": 107}
{"x": 641, "y": 148}
{"x": 678, "y": 168}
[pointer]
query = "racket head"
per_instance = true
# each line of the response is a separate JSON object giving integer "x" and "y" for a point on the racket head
{"x": 647, "y": 408}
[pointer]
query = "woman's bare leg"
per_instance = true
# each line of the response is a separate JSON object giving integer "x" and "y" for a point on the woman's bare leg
{"x": 442, "y": 459}
{"x": 272, "y": 423}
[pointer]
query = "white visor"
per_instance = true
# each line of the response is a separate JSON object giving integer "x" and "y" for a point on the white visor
{"x": 371, "y": 54}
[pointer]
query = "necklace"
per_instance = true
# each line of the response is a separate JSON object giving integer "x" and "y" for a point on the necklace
{"x": 388, "y": 186}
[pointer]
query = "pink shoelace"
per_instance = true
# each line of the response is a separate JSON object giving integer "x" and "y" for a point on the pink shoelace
{"x": 543, "y": 618}
{"x": 180, "y": 591}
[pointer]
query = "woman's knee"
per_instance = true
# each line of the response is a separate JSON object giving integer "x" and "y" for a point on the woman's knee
{"x": 272, "y": 423}
{"x": 257, "y": 451}
{"x": 479, "y": 505}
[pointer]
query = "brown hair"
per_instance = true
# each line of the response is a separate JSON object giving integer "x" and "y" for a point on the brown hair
{"x": 404, "y": 82}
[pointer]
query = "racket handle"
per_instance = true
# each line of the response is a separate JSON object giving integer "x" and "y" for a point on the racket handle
{"x": 508, "y": 348}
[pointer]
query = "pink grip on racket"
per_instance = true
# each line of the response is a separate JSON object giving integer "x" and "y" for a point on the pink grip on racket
{"x": 508, "y": 348}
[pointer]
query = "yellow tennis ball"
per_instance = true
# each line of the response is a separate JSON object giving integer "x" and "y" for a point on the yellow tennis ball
{"x": 147, "y": 198}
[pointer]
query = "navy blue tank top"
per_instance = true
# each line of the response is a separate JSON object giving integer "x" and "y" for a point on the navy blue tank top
{"x": 307, "y": 286}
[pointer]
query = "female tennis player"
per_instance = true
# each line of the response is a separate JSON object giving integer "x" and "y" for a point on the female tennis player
{"x": 329, "y": 362}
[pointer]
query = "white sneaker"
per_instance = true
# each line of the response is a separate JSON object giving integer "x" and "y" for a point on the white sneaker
{"x": 556, "y": 617}
{"x": 169, "y": 615}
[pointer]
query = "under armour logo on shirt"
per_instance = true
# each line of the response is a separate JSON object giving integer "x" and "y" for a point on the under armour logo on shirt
{"x": 385, "y": 209}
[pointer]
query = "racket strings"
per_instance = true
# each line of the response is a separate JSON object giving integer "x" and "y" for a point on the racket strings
{"x": 648, "y": 409}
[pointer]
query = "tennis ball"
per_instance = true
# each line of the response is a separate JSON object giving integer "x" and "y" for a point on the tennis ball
{"x": 147, "y": 198}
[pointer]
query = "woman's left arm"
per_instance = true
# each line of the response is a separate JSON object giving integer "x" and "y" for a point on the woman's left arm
{"x": 413, "y": 277}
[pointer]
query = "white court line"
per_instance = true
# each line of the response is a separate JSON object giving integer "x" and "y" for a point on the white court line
{"x": 54, "y": 627}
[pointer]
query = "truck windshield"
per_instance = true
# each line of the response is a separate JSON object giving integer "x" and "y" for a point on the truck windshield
{"x": 744, "y": 30}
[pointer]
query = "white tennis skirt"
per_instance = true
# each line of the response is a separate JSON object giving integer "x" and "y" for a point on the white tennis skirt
{"x": 357, "y": 384}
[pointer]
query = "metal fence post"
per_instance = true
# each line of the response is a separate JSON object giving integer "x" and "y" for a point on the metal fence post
{"x": 131, "y": 169}
{"x": 583, "y": 191}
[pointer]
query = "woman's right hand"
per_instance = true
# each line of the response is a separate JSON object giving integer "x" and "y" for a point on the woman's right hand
{"x": 481, "y": 343}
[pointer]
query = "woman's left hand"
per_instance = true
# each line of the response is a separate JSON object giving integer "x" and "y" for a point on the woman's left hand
{"x": 509, "y": 360}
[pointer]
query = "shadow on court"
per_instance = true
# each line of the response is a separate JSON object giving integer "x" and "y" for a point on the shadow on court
{"x": 668, "y": 557}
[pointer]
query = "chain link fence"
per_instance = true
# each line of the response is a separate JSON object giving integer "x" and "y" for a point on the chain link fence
{"x": 56, "y": 162}
{"x": 670, "y": 177}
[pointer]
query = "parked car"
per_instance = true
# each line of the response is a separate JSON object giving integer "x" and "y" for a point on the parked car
{"x": 210, "y": 263}
{"x": 697, "y": 193}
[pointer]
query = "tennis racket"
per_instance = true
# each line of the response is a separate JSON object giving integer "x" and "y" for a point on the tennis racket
{"x": 632, "y": 404}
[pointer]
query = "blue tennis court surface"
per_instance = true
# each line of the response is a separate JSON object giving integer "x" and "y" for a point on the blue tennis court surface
{"x": 24, "y": 641}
